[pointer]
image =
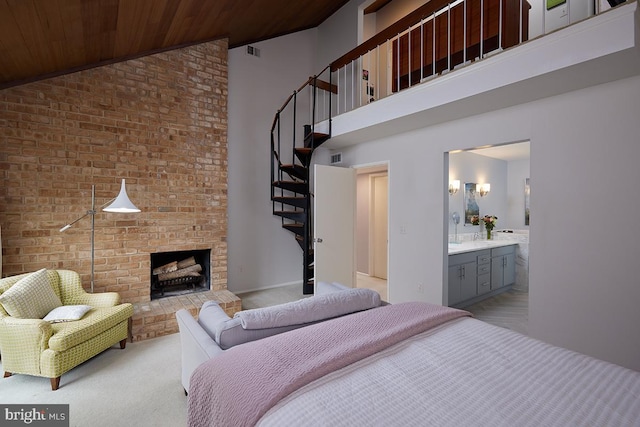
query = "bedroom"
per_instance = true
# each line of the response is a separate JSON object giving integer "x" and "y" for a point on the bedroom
{"x": 575, "y": 171}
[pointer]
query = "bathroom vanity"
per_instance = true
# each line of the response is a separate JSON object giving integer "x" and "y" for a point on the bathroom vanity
{"x": 479, "y": 270}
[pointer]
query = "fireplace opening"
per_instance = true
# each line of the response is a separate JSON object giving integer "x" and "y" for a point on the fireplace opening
{"x": 180, "y": 272}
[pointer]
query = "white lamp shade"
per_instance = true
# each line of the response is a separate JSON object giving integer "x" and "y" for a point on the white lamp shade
{"x": 454, "y": 186}
{"x": 122, "y": 204}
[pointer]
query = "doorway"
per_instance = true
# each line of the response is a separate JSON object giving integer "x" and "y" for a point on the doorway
{"x": 507, "y": 169}
{"x": 372, "y": 227}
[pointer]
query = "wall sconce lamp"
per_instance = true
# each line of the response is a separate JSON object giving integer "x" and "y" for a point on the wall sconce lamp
{"x": 454, "y": 186}
{"x": 121, "y": 204}
{"x": 483, "y": 189}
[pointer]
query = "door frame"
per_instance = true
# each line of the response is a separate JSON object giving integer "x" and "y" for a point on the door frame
{"x": 380, "y": 167}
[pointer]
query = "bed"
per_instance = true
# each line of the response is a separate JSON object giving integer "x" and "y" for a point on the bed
{"x": 409, "y": 364}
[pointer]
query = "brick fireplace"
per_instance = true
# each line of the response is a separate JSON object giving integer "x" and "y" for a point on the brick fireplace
{"x": 160, "y": 122}
{"x": 179, "y": 273}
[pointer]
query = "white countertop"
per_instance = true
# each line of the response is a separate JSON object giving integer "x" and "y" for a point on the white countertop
{"x": 478, "y": 245}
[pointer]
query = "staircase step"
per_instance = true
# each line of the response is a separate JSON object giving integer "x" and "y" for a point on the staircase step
{"x": 300, "y": 240}
{"x": 299, "y": 216}
{"x": 300, "y": 201}
{"x": 294, "y": 186}
{"x": 295, "y": 171}
{"x": 315, "y": 139}
{"x": 303, "y": 154}
{"x": 295, "y": 228}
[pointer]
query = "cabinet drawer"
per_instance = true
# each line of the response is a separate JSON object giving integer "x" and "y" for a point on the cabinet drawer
{"x": 503, "y": 250}
{"x": 462, "y": 258}
{"x": 484, "y": 268}
{"x": 484, "y": 283}
{"x": 483, "y": 257}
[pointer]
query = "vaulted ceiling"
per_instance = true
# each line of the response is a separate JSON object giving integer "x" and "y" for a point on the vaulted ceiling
{"x": 43, "y": 38}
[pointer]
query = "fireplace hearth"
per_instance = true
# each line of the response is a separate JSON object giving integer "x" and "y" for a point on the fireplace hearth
{"x": 180, "y": 272}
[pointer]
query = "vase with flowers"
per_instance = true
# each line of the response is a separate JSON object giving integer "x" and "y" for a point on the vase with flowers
{"x": 489, "y": 222}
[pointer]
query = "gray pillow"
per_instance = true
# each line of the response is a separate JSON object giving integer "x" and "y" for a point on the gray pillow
{"x": 228, "y": 332}
{"x": 306, "y": 310}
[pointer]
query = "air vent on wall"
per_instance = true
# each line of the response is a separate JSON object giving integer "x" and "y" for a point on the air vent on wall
{"x": 254, "y": 51}
{"x": 336, "y": 158}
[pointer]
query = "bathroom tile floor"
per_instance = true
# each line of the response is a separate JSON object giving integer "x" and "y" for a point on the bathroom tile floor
{"x": 509, "y": 310}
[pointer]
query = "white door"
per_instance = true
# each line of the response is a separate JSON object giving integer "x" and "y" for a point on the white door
{"x": 334, "y": 225}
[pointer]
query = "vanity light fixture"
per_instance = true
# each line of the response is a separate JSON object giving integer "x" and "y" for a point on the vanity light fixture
{"x": 454, "y": 186}
{"x": 483, "y": 189}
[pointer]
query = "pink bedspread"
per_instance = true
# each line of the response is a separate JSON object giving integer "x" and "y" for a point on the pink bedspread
{"x": 241, "y": 385}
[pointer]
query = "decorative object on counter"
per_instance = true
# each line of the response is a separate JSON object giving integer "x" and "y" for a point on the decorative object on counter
{"x": 471, "y": 207}
{"x": 483, "y": 189}
{"x": 489, "y": 222}
{"x": 454, "y": 186}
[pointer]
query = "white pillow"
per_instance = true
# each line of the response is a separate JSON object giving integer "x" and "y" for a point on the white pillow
{"x": 31, "y": 297}
{"x": 67, "y": 313}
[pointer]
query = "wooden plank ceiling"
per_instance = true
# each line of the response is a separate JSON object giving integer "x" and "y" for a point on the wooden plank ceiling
{"x": 43, "y": 38}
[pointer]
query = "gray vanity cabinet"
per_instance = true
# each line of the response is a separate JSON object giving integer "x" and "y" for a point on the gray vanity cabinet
{"x": 503, "y": 266}
{"x": 462, "y": 277}
{"x": 480, "y": 274}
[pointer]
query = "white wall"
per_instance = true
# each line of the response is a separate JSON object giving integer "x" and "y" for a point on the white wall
{"x": 261, "y": 253}
{"x": 394, "y": 11}
{"x": 470, "y": 167}
{"x": 584, "y": 154}
{"x": 517, "y": 172}
{"x": 338, "y": 34}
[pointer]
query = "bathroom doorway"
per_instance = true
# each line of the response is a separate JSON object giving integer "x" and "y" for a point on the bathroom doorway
{"x": 372, "y": 227}
{"x": 506, "y": 170}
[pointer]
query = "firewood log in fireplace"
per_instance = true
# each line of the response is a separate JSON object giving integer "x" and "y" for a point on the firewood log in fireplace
{"x": 189, "y": 271}
{"x": 167, "y": 268}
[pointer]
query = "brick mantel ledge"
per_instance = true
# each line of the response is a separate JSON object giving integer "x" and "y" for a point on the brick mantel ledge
{"x": 158, "y": 317}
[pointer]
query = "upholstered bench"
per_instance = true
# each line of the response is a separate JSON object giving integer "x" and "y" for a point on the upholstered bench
{"x": 214, "y": 331}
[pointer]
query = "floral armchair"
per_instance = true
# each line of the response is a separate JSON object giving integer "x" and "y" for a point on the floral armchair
{"x": 48, "y": 346}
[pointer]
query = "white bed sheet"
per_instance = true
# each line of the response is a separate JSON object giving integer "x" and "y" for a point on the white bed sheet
{"x": 467, "y": 373}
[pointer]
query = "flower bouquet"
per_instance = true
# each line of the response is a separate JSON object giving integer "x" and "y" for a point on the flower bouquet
{"x": 489, "y": 223}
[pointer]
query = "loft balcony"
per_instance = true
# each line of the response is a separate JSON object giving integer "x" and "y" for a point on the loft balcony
{"x": 479, "y": 58}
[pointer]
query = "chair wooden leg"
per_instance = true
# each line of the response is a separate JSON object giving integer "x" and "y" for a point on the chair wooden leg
{"x": 55, "y": 383}
{"x": 123, "y": 343}
{"x": 7, "y": 374}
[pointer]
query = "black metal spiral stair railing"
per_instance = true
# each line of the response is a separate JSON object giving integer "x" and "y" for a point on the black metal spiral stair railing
{"x": 290, "y": 191}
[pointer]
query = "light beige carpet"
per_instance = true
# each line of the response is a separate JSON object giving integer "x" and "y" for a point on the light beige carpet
{"x": 138, "y": 386}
